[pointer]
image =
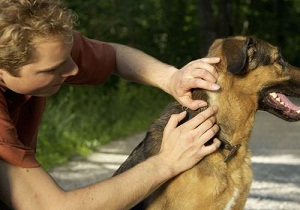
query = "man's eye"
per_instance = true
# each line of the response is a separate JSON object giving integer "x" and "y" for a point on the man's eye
{"x": 50, "y": 71}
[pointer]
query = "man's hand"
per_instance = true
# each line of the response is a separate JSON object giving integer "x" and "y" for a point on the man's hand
{"x": 183, "y": 146}
{"x": 196, "y": 74}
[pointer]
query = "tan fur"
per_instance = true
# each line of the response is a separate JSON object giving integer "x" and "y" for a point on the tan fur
{"x": 214, "y": 184}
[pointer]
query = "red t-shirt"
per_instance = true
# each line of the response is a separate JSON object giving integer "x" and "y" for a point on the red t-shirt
{"x": 20, "y": 115}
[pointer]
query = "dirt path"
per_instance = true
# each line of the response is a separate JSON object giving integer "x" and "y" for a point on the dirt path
{"x": 275, "y": 146}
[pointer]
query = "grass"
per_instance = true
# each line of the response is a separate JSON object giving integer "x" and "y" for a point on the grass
{"x": 79, "y": 119}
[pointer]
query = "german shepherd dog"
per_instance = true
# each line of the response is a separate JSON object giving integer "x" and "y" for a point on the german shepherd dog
{"x": 253, "y": 76}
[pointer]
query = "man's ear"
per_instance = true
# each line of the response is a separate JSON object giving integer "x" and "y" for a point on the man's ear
{"x": 235, "y": 52}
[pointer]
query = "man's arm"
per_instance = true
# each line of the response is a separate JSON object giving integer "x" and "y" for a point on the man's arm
{"x": 135, "y": 65}
{"x": 33, "y": 188}
{"x": 182, "y": 147}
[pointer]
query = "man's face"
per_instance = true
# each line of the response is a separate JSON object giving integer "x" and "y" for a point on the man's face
{"x": 52, "y": 64}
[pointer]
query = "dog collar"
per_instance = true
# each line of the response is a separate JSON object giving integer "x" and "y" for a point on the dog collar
{"x": 231, "y": 148}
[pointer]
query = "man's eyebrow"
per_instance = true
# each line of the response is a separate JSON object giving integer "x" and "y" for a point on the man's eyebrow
{"x": 51, "y": 68}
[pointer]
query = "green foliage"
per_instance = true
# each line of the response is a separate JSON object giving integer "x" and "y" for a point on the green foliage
{"x": 78, "y": 119}
{"x": 170, "y": 30}
{"x": 166, "y": 32}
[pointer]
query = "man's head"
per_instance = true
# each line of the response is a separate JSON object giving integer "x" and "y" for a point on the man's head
{"x": 36, "y": 40}
{"x": 24, "y": 23}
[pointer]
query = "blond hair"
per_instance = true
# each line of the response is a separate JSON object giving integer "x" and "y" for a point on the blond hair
{"x": 24, "y": 21}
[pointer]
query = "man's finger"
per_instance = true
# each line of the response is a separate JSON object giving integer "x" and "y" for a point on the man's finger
{"x": 205, "y": 150}
{"x": 201, "y": 117}
{"x": 174, "y": 120}
{"x": 192, "y": 104}
{"x": 211, "y": 60}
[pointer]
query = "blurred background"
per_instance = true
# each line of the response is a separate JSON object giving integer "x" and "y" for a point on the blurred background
{"x": 79, "y": 119}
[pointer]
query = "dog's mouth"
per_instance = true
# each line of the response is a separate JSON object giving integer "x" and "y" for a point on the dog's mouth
{"x": 281, "y": 103}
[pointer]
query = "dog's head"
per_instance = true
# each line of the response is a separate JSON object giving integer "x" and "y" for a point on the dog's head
{"x": 257, "y": 69}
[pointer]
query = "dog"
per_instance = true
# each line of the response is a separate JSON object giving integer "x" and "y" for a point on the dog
{"x": 253, "y": 76}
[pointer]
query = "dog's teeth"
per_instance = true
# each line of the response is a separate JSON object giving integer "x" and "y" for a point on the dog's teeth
{"x": 278, "y": 99}
{"x": 298, "y": 111}
{"x": 282, "y": 103}
{"x": 273, "y": 94}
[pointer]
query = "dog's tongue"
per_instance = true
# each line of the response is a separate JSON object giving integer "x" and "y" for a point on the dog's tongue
{"x": 287, "y": 102}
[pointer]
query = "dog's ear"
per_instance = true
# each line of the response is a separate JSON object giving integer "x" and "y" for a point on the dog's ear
{"x": 235, "y": 52}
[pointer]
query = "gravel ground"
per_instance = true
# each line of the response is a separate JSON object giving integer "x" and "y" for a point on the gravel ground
{"x": 275, "y": 146}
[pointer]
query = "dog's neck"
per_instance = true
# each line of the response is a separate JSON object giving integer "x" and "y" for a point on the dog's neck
{"x": 230, "y": 118}
{"x": 225, "y": 145}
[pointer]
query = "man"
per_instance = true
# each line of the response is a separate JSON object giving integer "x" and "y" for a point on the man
{"x": 38, "y": 52}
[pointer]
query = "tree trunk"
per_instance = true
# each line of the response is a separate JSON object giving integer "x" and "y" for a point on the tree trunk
{"x": 207, "y": 29}
{"x": 212, "y": 27}
{"x": 224, "y": 18}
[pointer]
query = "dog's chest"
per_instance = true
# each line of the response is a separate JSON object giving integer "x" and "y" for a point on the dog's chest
{"x": 231, "y": 203}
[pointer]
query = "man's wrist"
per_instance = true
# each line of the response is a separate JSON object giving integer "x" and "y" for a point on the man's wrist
{"x": 162, "y": 168}
{"x": 166, "y": 84}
